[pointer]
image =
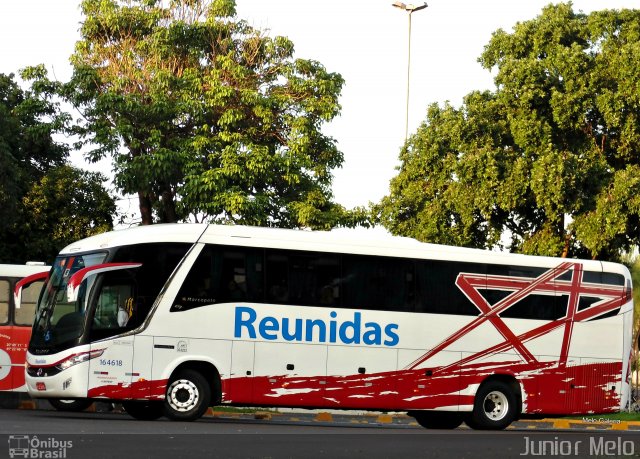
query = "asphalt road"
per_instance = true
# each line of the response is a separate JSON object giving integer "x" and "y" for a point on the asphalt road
{"x": 37, "y": 433}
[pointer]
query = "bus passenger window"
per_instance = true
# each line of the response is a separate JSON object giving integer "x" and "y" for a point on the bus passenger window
{"x": 222, "y": 275}
{"x": 235, "y": 291}
{"x": 4, "y": 301}
{"x": 326, "y": 295}
{"x": 279, "y": 293}
{"x": 27, "y": 311}
{"x": 303, "y": 278}
{"x": 378, "y": 283}
{"x": 277, "y": 277}
{"x": 234, "y": 275}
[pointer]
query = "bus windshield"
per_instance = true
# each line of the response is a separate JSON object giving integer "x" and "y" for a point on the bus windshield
{"x": 57, "y": 320}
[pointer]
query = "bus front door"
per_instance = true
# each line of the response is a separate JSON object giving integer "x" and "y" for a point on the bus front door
{"x": 110, "y": 371}
{"x": 111, "y": 365}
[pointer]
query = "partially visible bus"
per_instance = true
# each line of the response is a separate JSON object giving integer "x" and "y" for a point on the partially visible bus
{"x": 171, "y": 319}
{"x": 16, "y": 320}
{"x": 15, "y": 324}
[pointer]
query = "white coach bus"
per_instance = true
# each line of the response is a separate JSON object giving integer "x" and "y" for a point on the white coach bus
{"x": 172, "y": 319}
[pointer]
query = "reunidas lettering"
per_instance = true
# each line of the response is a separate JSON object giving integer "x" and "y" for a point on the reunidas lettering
{"x": 352, "y": 331}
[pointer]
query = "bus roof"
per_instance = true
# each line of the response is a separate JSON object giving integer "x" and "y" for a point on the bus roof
{"x": 22, "y": 270}
{"x": 360, "y": 241}
{"x": 169, "y": 232}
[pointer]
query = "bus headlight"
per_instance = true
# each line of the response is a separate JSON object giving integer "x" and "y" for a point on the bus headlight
{"x": 79, "y": 358}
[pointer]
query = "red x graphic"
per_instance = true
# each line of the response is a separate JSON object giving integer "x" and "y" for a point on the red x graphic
{"x": 611, "y": 297}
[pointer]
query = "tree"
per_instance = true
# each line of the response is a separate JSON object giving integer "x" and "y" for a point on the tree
{"x": 44, "y": 203}
{"x": 65, "y": 205}
{"x": 27, "y": 150}
{"x": 549, "y": 157}
{"x": 204, "y": 115}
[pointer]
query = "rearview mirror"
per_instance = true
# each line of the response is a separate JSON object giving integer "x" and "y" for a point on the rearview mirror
{"x": 79, "y": 276}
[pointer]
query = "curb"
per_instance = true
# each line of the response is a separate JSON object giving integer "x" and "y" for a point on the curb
{"x": 593, "y": 423}
{"x": 576, "y": 424}
{"x": 405, "y": 420}
{"x": 387, "y": 418}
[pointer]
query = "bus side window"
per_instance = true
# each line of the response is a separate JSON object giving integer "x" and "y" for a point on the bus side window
{"x": 222, "y": 275}
{"x": 277, "y": 277}
{"x": 200, "y": 286}
{"x": 234, "y": 276}
{"x": 116, "y": 308}
{"x": 4, "y": 301}
{"x": 117, "y": 305}
{"x": 436, "y": 289}
{"x": 378, "y": 283}
{"x": 27, "y": 312}
{"x": 303, "y": 278}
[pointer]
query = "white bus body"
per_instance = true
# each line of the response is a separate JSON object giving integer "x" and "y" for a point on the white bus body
{"x": 269, "y": 317}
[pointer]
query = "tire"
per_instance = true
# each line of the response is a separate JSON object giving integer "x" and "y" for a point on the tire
{"x": 144, "y": 410}
{"x": 437, "y": 419}
{"x": 70, "y": 405}
{"x": 495, "y": 407}
{"x": 188, "y": 396}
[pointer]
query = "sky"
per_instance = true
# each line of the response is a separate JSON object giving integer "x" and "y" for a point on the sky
{"x": 366, "y": 41}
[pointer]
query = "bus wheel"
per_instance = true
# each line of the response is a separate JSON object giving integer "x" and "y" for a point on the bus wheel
{"x": 437, "y": 419}
{"x": 188, "y": 396}
{"x": 70, "y": 405}
{"x": 495, "y": 407}
{"x": 143, "y": 410}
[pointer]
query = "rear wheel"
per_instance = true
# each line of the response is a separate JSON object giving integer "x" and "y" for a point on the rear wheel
{"x": 495, "y": 407}
{"x": 143, "y": 410}
{"x": 437, "y": 419}
{"x": 188, "y": 396}
{"x": 70, "y": 405}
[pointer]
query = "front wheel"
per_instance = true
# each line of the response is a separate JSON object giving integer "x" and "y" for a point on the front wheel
{"x": 188, "y": 396}
{"x": 437, "y": 419}
{"x": 70, "y": 405}
{"x": 495, "y": 407}
{"x": 143, "y": 410}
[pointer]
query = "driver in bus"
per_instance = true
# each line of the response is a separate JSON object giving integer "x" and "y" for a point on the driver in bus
{"x": 124, "y": 312}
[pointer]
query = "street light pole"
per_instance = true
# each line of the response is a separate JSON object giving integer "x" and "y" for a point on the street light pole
{"x": 410, "y": 9}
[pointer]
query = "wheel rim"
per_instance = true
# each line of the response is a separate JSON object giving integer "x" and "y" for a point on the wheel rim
{"x": 495, "y": 405}
{"x": 183, "y": 395}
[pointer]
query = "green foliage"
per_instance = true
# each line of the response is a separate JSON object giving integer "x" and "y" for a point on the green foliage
{"x": 35, "y": 221}
{"x": 26, "y": 147}
{"x": 65, "y": 205}
{"x": 550, "y": 157}
{"x": 634, "y": 268}
{"x": 204, "y": 115}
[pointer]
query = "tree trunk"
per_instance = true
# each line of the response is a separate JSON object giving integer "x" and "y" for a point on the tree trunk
{"x": 567, "y": 241}
{"x": 168, "y": 208}
{"x": 567, "y": 238}
{"x": 145, "y": 208}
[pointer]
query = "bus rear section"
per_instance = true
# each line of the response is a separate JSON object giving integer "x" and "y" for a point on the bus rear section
{"x": 15, "y": 325}
{"x": 172, "y": 319}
